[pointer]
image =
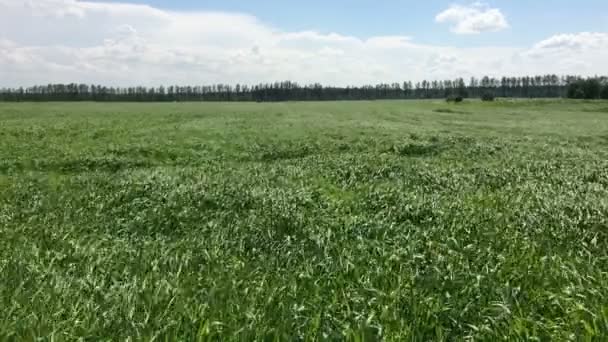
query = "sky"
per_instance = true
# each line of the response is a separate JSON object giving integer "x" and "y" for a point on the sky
{"x": 339, "y": 42}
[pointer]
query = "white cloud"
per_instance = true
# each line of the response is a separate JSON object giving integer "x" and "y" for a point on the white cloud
{"x": 585, "y": 52}
{"x": 389, "y": 42}
{"x": 473, "y": 19}
{"x": 127, "y": 44}
{"x": 578, "y": 41}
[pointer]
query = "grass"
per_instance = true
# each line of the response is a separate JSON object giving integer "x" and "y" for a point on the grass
{"x": 304, "y": 221}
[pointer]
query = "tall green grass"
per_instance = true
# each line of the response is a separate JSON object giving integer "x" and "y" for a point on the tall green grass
{"x": 304, "y": 221}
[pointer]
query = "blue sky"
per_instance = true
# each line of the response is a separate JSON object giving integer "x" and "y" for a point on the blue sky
{"x": 339, "y": 42}
{"x": 530, "y": 20}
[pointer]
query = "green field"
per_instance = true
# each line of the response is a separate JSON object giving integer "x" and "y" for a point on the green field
{"x": 393, "y": 220}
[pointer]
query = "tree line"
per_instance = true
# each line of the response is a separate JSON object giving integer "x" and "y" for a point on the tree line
{"x": 546, "y": 86}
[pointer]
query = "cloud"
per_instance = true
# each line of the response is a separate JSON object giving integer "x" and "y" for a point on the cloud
{"x": 583, "y": 53}
{"x": 578, "y": 41}
{"x": 389, "y": 42}
{"x": 473, "y": 19}
{"x": 577, "y": 51}
{"x": 128, "y": 44}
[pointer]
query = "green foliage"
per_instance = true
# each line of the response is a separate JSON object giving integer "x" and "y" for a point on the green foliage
{"x": 385, "y": 220}
{"x": 604, "y": 93}
{"x": 487, "y": 97}
{"x": 539, "y": 86}
{"x": 577, "y": 93}
{"x": 589, "y": 89}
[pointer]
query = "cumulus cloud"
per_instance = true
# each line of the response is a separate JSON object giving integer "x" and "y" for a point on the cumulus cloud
{"x": 583, "y": 53}
{"x": 129, "y": 44}
{"x": 578, "y": 41}
{"x": 473, "y": 19}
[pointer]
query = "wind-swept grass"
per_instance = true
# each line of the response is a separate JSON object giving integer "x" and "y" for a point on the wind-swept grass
{"x": 304, "y": 221}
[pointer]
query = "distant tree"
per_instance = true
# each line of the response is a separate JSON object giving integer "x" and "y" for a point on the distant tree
{"x": 592, "y": 88}
{"x": 485, "y": 84}
{"x": 504, "y": 86}
{"x": 529, "y": 86}
{"x": 604, "y": 92}
{"x": 461, "y": 88}
{"x": 589, "y": 89}
{"x": 487, "y": 97}
{"x": 455, "y": 99}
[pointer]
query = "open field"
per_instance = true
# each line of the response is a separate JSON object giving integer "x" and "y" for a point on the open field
{"x": 341, "y": 220}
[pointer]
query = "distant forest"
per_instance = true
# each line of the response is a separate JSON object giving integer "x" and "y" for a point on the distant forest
{"x": 547, "y": 86}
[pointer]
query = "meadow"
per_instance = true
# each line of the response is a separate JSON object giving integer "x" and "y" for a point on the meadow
{"x": 361, "y": 221}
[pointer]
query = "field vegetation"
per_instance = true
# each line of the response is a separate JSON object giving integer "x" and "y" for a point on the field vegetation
{"x": 395, "y": 220}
